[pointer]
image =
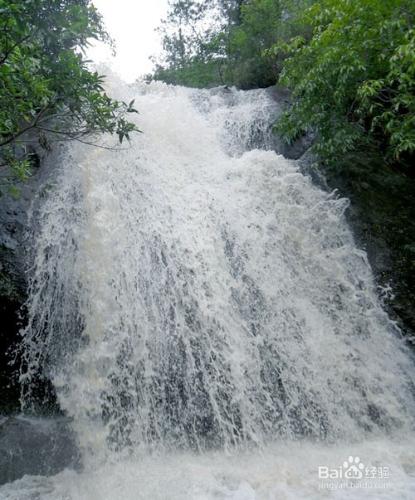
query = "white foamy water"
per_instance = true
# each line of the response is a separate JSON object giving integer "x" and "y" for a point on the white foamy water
{"x": 283, "y": 471}
{"x": 206, "y": 318}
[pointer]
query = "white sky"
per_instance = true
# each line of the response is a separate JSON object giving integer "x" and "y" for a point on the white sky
{"x": 131, "y": 23}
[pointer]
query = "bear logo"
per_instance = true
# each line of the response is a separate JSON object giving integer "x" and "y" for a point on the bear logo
{"x": 353, "y": 468}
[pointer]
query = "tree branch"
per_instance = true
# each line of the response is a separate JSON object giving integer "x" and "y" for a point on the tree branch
{"x": 70, "y": 137}
{"x": 8, "y": 52}
{"x": 20, "y": 132}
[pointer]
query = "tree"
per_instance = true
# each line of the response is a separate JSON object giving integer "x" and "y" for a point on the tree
{"x": 257, "y": 30}
{"x": 195, "y": 37}
{"x": 231, "y": 42}
{"x": 46, "y": 85}
{"x": 353, "y": 78}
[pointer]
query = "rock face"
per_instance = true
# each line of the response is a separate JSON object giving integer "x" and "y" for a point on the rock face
{"x": 13, "y": 280}
{"x": 298, "y": 148}
{"x": 13, "y": 221}
{"x": 35, "y": 446}
{"x": 382, "y": 216}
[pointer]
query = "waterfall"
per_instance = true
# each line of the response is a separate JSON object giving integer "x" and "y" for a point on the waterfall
{"x": 196, "y": 295}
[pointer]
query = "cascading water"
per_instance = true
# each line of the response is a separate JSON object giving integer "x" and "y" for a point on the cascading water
{"x": 205, "y": 317}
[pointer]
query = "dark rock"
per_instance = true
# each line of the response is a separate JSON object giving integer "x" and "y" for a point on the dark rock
{"x": 13, "y": 216}
{"x": 35, "y": 446}
{"x": 14, "y": 246}
{"x": 382, "y": 217}
{"x": 297, "y": 148}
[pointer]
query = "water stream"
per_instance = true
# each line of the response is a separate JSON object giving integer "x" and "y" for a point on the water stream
{"x": 208, "y": 323}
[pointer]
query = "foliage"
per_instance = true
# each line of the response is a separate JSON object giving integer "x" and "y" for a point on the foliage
{"x": 226, "y": 43}
{"x": 45, "y": 83}
{"x": 187, "y": 42}
{"x": 353, "y": 79}
{"x": 259, "y": 27}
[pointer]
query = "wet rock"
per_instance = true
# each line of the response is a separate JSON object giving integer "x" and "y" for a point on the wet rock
{"x": 13, "y": 220}
{"x": 35, "y": 446}
{"x": 299, "y": 147}
{"x": 14, "y": 246}
{"x": 382, "y": 216}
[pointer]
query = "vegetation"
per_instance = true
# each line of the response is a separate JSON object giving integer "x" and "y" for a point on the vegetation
{"x": 353, "y": 79}
{"x": 224, "y": 42}
{"x": 47, "y": 91}
{"x": 350, "y": 65}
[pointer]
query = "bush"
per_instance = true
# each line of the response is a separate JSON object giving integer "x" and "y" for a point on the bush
{"x": 353, "y": 78}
